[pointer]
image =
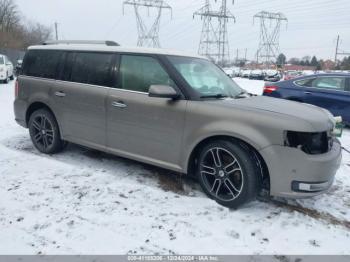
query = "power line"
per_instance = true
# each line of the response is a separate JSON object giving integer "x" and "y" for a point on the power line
{"x": 148, "y": 37}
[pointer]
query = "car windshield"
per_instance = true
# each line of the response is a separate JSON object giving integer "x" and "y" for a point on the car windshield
{"x": 2, "y": 60}
{"x": 205, "y": 78}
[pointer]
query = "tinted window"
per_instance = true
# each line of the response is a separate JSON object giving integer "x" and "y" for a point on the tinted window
{"x": 91, "y": 68}
{"x": 68, "y": 65}
{"x": 336, "y": 83}
{"x": 138, "y": 73}
{"x": 41, "y": 63}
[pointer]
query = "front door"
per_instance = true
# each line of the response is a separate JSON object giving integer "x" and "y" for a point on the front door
{"x": 141, "y": 127}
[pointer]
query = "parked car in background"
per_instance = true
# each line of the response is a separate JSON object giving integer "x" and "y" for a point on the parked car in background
{"x": 291, "y": 74}
{"x": 245, "y": 73}
{"x": 18, "y": 66}
{"x": 272, "y": 76}
{"x": 6, "y": 69}
{"x": 229, "y": 72}
{"x": 257, "y": 74}
{"x": 236, "y": 71}
{"x": 330, "y": 91}
{"x": 177, "y": 111}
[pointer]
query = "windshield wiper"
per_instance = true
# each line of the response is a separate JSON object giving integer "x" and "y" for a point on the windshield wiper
{"x": 214, "y": 96}
{"x": 242, "y": 94}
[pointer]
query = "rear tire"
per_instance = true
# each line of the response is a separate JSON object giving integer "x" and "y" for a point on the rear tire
{"x": 44, "y": 132}
{"x": 227, "y": 173}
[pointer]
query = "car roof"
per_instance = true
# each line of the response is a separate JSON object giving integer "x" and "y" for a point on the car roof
{"x": 323, "y": 74}
{"x": 120, "y": 49}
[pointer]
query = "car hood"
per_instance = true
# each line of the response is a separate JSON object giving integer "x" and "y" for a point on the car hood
{"x": 320, "y": 119}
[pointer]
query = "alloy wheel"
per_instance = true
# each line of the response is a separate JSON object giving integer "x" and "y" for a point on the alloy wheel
{"x": 222, "y": 174}
{"x": 43, "y": 132}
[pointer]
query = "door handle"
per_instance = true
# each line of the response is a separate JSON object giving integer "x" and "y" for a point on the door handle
{"x": 119, "y": 104}
{"x": 60, "y": 94}
{"x": 307, "y": 93}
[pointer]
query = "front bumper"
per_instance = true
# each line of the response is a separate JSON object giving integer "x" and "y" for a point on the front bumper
{"x": 295, "y": 174}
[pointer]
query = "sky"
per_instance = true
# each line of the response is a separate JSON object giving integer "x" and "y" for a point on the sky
{"x": 312, "y": 27}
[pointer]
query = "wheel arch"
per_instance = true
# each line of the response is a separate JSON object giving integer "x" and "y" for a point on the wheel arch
{"x": 265, "y": 175}
{"x": 36, "y": 106}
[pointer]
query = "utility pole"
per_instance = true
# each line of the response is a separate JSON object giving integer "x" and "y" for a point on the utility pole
{"x": 148, "y": 36}
{"x": 269, "y": 36}
{"x": 339, "y": 52}
{"x": 336, "y": 50}
{"x": 214, "y": 37}
{"x": 56, "y": 30}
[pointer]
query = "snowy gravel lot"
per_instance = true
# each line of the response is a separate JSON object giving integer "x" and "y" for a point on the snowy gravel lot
{"x": 86, "y": 202}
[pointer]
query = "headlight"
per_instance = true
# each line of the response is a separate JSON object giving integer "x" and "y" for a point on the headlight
{"x": 310, "y": 143}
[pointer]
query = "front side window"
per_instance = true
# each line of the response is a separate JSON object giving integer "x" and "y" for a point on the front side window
{"x": 2, "y": 61}
{"x": 41, "y": 63}
{"x": 90, "y": 68}
{"x": 138, "y": 73}
{"x": 205, "y": 77}
{"x": 334, "y": 83}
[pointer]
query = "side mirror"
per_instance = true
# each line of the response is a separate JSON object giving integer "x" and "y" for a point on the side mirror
{"x": 163, "y": 91}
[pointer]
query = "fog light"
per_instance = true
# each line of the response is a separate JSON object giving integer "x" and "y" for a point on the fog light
{"x": 310, "y": 187}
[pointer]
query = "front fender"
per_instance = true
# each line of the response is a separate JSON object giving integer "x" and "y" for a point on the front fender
{"x": 242, "y": 131}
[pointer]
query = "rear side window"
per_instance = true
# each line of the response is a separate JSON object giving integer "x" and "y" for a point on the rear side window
{"x": 90, "y": 68}
{"x": 334, "y": 83}
{"x": 41, "y": 63}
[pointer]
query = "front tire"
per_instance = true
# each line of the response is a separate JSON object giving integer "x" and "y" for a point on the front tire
{"x": 44, "y": 132}
{"x": 227, "y": 173}
{"x": 6, "y": 81}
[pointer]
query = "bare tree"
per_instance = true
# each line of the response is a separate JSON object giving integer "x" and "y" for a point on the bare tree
{"x": 36, "y": 33}
{"x": 15, "y": 31}
{"x": 9, "y": 15}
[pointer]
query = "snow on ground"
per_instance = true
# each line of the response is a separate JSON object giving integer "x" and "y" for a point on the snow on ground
{"x": 86, "y": 202}
{"x": 252, "y": 86}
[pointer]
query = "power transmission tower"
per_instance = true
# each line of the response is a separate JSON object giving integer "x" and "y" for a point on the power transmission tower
{"x": 339, "y": 52}
{"x": 214, "y": 38}
{"x": 148, "y": 36}
{"x": 270, "y": 27}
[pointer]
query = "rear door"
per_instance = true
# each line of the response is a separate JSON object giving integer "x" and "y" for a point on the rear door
{"x": 329, "y": 92}
{"x": 142, "y": 127}
{"x": 80, "y": 95}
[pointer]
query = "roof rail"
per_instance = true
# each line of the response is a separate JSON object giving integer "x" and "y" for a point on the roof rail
{"x": 81, "y": 42}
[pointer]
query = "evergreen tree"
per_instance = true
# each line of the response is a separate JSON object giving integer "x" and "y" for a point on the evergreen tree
{"x": 281, "y": 59}
{"x": 314, "y": 61}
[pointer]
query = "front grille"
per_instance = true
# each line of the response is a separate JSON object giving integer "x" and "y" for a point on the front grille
{"x": 310, "y": 143}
